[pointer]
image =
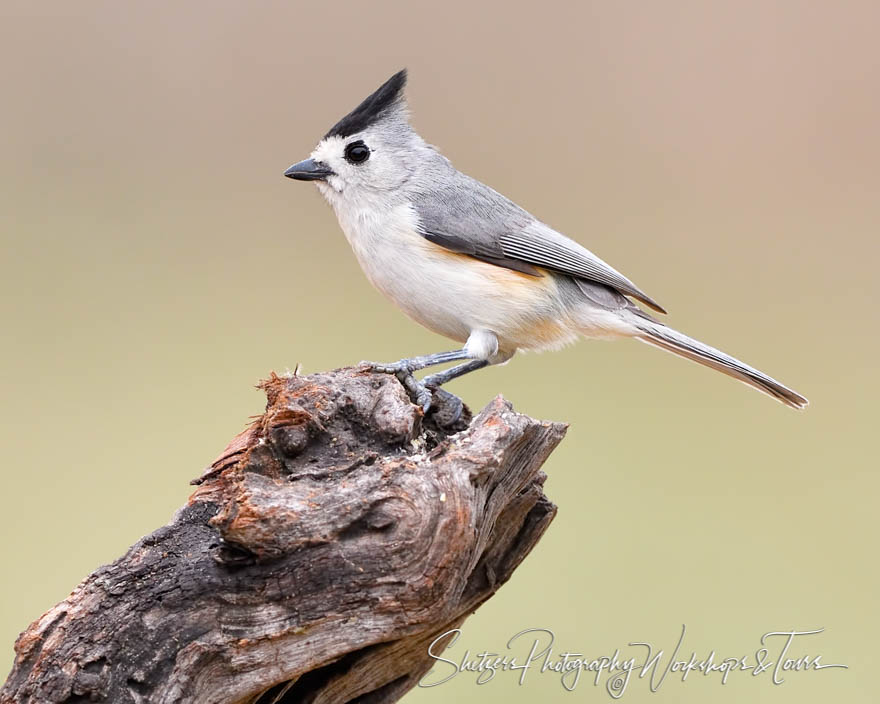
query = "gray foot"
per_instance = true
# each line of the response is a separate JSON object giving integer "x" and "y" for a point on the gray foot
{"x": 418, "y": 392}
{"x": 403, "y": 366}
{"x": 450, "y": 406}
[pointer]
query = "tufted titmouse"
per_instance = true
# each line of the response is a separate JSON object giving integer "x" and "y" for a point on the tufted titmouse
{"x": 467, "y": 263}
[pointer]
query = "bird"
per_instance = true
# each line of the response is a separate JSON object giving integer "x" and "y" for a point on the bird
{"x": 466, "y": 262}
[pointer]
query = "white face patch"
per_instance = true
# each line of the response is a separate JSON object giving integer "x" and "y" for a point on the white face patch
{"x": 330, "y": 151}
{"x": 370, "y": 181}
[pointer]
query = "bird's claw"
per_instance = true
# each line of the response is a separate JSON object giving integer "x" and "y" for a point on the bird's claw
{"x": 418, "y": 392}
{"x": 401, "y": 367}
{"x": 452, "y": 406}
{"x": 422, "y": 393}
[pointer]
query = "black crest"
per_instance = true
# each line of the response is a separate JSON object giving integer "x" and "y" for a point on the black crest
{"x": 372, "y": 108}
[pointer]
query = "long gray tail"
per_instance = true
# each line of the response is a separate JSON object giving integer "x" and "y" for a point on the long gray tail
{"x": 666, "y": 338}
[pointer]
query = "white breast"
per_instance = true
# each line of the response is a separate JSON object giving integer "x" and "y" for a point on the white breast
{"x": 454, "y": 294}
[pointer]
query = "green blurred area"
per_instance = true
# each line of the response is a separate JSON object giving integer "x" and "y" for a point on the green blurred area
{"x": 156, "y": 265}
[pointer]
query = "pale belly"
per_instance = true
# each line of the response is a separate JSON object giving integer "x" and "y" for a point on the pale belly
{"x": 454, "y": 294}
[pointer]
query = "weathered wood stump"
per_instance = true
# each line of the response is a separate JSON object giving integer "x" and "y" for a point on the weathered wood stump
{"x": 319, "y": 556}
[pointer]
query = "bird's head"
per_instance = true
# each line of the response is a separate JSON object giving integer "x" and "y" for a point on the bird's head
{"x": 370, "y": 151}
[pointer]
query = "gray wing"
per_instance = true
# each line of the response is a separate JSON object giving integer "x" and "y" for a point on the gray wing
{"x": 467, "y": 216}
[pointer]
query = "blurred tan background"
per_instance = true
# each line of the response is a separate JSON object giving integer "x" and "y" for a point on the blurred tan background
{"x": 723, "y": 155}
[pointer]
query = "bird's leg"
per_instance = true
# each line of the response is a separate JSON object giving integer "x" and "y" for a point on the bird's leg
{"x": 404, "y": 369}
{"x": 413, "y": 364}
{"x": 434, "y": 381}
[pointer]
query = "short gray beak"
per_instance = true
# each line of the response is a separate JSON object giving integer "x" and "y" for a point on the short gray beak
{"x": 309, "y": 170}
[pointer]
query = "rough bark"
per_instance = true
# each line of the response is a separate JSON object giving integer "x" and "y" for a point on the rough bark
{"x": 319, "y": 556}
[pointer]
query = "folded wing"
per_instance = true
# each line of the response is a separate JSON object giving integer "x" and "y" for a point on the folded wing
{"x": 468, "y": 217}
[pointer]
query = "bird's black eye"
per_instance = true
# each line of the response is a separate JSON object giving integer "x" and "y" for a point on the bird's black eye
{"x": 357, "y": 152}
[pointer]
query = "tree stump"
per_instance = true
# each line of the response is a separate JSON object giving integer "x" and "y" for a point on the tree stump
{"x": 319, "y": 556}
